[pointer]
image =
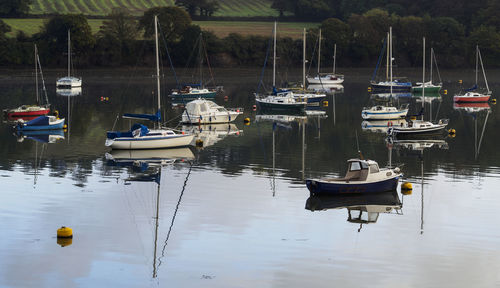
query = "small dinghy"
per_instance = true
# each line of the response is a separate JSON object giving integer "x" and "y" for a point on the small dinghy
{"x": 41, "y": 123}
{"x": 363, "y": 176}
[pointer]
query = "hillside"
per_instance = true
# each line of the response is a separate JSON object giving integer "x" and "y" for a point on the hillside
{"x": 229, "y": 8}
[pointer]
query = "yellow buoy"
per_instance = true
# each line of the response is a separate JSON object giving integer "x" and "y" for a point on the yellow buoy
{"x": 64, "y": 232}
{"x": 199, "y": 143}
{"x": 369, "y": 89}
{"x": 65, "y": 126}
{"x": 445, "y": 92}
{"x": 246, "y": 120}
{"x": 64, "y": 241}
{"x": 406, "y": 192}
{"x": 406, "y": 186}
{"x": 493, "y": 101}
{"x": 413, "y": 118}
{"x": 460, "y": 81}
{"x": 325, "y": 103}
{"x": 452, "y": 131}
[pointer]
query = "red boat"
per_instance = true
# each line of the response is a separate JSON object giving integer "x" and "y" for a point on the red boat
{"x": 471, "y": 97}
{"x": 27, "y": 111}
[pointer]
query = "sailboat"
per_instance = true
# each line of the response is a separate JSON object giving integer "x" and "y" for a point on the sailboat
{"x": 429, "y": 86}
{"x": 283, "y": 101}
{"x": 417, "y": 127}
{"x": 470, "y": 94}
{"x": 28, "y": 112}
{"x": 139, "y": 136}
{"x": 391, "y": 83}
{"x": 326, "y": 78}
{"x": 69, "y": 81}
{"x": 188, "y": 92}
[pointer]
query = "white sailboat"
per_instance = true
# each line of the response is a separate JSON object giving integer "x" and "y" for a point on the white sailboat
{"x": 69, "y": 81}
{"x": 429, "y": 86}
{"x": 283, "y": 101}
{"x": 139, "y": 136}
{"x": 415, "y": 127}
{"x": 326, "y": 78}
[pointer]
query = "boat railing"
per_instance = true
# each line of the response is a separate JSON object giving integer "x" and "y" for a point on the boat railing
{"x": 235, "y": 110}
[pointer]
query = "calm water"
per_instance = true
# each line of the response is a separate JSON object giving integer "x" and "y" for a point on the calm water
{"x": 232, "y": 214}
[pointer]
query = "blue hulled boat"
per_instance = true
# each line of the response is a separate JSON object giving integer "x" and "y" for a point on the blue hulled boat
{"x": 41, "y": 123}
{"x": 363, "y": 176}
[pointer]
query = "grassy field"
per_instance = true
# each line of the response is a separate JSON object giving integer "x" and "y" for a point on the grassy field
{"x": 220, "y": 28}
{"x": 231, "y": 8}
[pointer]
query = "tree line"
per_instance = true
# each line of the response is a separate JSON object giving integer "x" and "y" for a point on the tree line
{"x": 122, "y": 39}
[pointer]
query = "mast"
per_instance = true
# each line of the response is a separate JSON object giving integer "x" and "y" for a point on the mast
{"x": 274, "y": 57}
{"x": 319, "y": 51}
{"x": 334, "y": 56}
{"x": 390, "y": 55}
{"x": 304, "y": 61}
{"x": 157, "y": 62}
{"x": 423, "y": 77}
{"x": 477, "y": 61}
{"x": 156, "y": 227}
{"x": 200, "y": 50}
{"x": 484, "y": 73}
{"x": 69, "y": 52}
{"x": 36, "y": 77}
{"x": 432, "y": 53}
{"x": 387, "y": 58}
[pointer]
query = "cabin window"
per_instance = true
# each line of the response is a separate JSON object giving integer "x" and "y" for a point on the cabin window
{"x": 355, "y": 166}
{"x": 374, "y": 168}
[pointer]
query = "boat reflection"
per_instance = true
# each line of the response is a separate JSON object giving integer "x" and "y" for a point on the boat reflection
{"x": 471, "y": 107}
{"x": 42, "y": 136}
{"x": 380, "y": 126}
{"x": 326, "y": 88}
{"x": 389, "y": 96}
{"x": 361, "y": 208}
{"x": 211, "y": 133}
{"x": 142, "y": 160}
{"x": 69, "y": 92}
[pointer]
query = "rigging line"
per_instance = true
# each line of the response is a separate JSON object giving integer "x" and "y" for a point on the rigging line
{"x": 168, "y": 54}
{"x": 312, "y": 56}
{"x": 208, "y": 62}
{"x": 175, "y": 214}
{"x": 382, "y": 53}
{"x": 482, "y": 134}
{"x": 437, "y": 68}
{"x": 43, "y": 81}
{"x": 265, "y": 63}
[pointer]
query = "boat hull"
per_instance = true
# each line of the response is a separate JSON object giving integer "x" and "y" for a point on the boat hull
{"x": 387, "y": 88}
{"x": 471, "y": 99}
{"x": 20, "y": 114}
{"x": 130, "y": 143}
{"x": 397, "y": 131}
{"x": 192, "y": 96}
{"x": 296, "y": 108}
{"x": 69, "y": 82}
{"x": 210, "y": 119}
{"x": 59, "y": 124}
{"x": 433, "y": 89}
{"x": 367, "y": 115}
{"x": 325, "y": 80}
{"x": 321, "y": 187}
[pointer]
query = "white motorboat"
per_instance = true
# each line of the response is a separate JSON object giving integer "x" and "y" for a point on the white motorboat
{"x": 379, "y": 112}
{"x": 210, "y": 134}
{"x": 69, "y": 81}
{"x": 202, "y": 111}
{"x": 380, "y": 126}
{"x": 139, "y": 136}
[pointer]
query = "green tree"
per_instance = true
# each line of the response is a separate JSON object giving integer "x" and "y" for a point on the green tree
{"x": 54, "y": 37}
{"x": 14, "y": 8}
{"x": 173, "y": 22}
{"x": 281, "y": 6}
{"x": 190, "y": 5}
{"x": 117, "y": 36}
{"x": 334, "y": 31}
{"x": 487, "y": 38}
{"x": 312, "y": 9}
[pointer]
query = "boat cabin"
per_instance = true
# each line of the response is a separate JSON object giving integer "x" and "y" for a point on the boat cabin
{"x": 358, "y": 170}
